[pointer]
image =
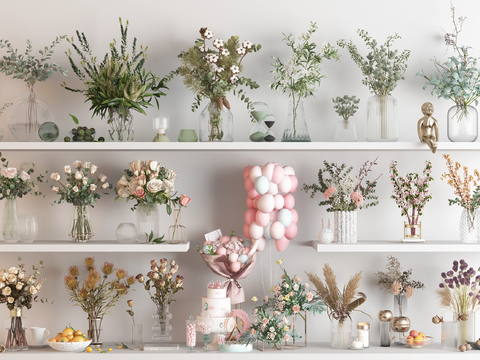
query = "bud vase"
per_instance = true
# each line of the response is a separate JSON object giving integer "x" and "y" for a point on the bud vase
{"x": 81, "y": 229}
{"x": 95, "y": 329}
{"x": 137, "y": 337}
{"x": 148, "y": 221}
{"x": 161, "y": 326}
{"x": 382, "y": 116}
{"x": 10, "y": 220}
{"x": 121, "y": 126}
{"x": 177, "y": 233}
{"x": 462, "y": 124}
{"x": 15, "y": 326}
{"x": 345, "y": 227}
{"x": 296, "y": 129}
{"x": 470, "y": 226}
{"x": 216, "y": 124}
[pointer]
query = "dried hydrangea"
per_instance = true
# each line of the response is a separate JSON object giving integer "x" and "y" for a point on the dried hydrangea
{"x": 395, "y": 275}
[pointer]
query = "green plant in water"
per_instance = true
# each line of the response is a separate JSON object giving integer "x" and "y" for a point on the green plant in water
{"x": 345, "y": 106}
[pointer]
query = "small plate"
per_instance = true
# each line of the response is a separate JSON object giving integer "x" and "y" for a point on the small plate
{"x": 417, "y": 344}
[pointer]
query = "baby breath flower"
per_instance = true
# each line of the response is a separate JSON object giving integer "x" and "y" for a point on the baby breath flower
{"x": 234, "y": 69}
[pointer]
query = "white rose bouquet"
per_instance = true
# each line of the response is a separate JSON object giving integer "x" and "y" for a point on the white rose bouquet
{"x": 148, "y": 183}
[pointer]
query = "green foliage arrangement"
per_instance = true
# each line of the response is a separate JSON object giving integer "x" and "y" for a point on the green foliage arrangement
{"x": 26, "y": 66}
{"x": 457, "y": 79}
{"x": 119, "y": 82}
{"x": 212, "y": 73}
{"x": 345, "y": 106}
{"x": 383, "y": 67}
{"x": 16, "y": 183}
{"x": 341, "y": 191}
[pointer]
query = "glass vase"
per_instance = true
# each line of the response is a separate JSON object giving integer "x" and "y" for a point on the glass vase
{"x": 341, "y": 334}
{"x": 216, "y": 124}
{"x": 148, "y": 220}
{"x": 121, "y": 126}
{"x": 161, "y": 326}
{"x": 399, "y": 305}
{"x": 10, "y": 221}
{"x": 81, "y": 229}
{"x": 26, "y": 116}
{"x": 345, "y": 227}
{"x": 470, "y": 226}
{"x": 137, "y": 337}
{"x": 295, "y": 344}
{"x": 412, "y": 229}
{"x": 296, "y": 129}
{"x": 382, "y": 113}
{"x": 462, "y": 124}
{"x": 449, "y": 335}
{"x": 15, "y": 326}
{"x": 126, "y": 233}
{"x": 465, "y": 329}
{"x": 95, "y": 329}
{"x": 345, "y": 131}
{"x": 177, "y": 233}
{"x": 27, "y": 227}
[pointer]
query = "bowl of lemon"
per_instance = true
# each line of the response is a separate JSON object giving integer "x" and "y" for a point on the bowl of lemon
{"x": 69, "y": 340}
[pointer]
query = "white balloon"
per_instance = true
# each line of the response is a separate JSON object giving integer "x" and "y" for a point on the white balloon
{"x": 256, "y": 231}
{"x": 285, "y": 185}
{"x": 266, "y": 231}
{"x": 273, "y": 188}
{"x": 277, "y": 230}
{"x": 285, "y": 217}
{"x": 266, "y": 203}
{"x": 268, "y": 171}
{"x": 243, "y": 259}
{"x": 288, "y": 170}
{"x": 232, "y": 257}
{"x": 255, "y": 172}
{"x": 262, "y": 185}
{"x": 279, "y": 201}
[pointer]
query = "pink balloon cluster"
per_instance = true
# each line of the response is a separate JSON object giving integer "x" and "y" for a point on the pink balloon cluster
{"x": 270, "y": 213}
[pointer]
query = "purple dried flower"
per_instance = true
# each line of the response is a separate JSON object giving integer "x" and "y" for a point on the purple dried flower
{"x": 478, "y": 296}
{"x": 455, "y": 278}
{"x": 441, "y": 286}
{"x": 462, "y": 261}
{"x": 470, "y": 294}
{"x": 450, "y": 286}
{"x": 458, "y": 285}
{"x": 455, "y": 268}
{"x": 455, "y": 263}
{"x": 450, "y": 273}
{"x": 477, "y": 278}
{"x": 462, "y": 281}
{"x": 444, "y": 275}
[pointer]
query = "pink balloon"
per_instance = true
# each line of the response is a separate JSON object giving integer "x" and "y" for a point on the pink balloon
{"x": 246, "y": 231}
{"x": 247, "y": 250}
{"x": 235, "y": 266}
{"x": 233, "y": 257}
{"x": 274, "y": 215}
{"x": 255, "y": 172}
{"x": 252, "y": 194}
{"x": 248, "y": 184}
{"x": 266, "y": 203}
{"x": 294, "y": 183}
{"x": 221, "y": 251}
{"x": 277, "y": 230}
{"x": 281, "y": 244}
{"x": 235, "y": 238}
{"x": 246, "y": 172}
{"x": 255, "y": 203}
{"x": 288, "y": 170}
{"x": 249, "y": 216}
{"x": 285, "y": 185}
{"x": 224, "y": 239}
{"x": 278, "y": 174}
{"x": 267, "y": 171}
{"x": 206, "y": 242}
{"x": 258, "y": 245}
{"x": 279, "y": 202}
{"x": 294, "y": 215}
{"x": 250, "y": 203}
{"x": 239, "y": 238}
{"x": 273, "y": 189}
{"x": 262, "y": 218}
{"x": 256, "y": 231}
{"x": 289, "y": 201}
{"x": 291, "y": 231}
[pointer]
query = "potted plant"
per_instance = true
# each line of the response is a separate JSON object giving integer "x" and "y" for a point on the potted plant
{"x": 117, "y": 85}
{"x": 211, "y": 73}
{"x": 30, "y": 112}
{"x": 457, "y": 79}
{"x": 345, "y": 106}
{"x": 383, "y": 67}
{"x": 300, "y": 76}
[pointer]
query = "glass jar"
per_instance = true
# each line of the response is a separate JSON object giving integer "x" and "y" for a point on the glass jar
{"x": 94, "y": 331}
{"x": 470, "y": 226}
{"x": 345, "y": 227}
{"x": 341, "y": 334}
{"x": 296, "y": 129}
{"x": 137, "y": 337}
{"x": 121, "y": 126}
{"x": 126, "y": 233}
{"x": 191, "y": 333}
{"x": 382, "y": 113}
{"x": 345, "y": 131}
{"x": 462, "y": 124}
{"x": 216, "y": 124}
{"x": 15, "y": 326}
{"x": 161, "y": 326}
{"x": 363, "y": 330}
{"x": 81, "y": 229}
{"x": 148, "y": 220}
{"x": 27, "y": 228}
{"x": 177, "y": 233}
{"x": 10, "y": 221}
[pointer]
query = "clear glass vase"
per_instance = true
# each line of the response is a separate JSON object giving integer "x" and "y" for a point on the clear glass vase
{"x": 177, "y": 233}
{"x": 15, "y": 326}
{"x": 81, "y": 229}
{"x": 345, "y": 227}
{"x": 10, "y": 221}
{"x": 161, "y": 326}
{"x": 341, "y": 334}
{"x": 95, "y": 329}
{"x": 27, "y": 228}
{"x": 465, "y": 329}
{"x": 296, "y": 129}
{"x": 382, "y": 114}
{"x": 137, "y": 337}
{"x": 26, "y": 116}
{"x": 148, "y": 220}
{"x": 216, "y": 124}
{"x": 121, "y": 126}
{"x": 345, "y": 131}
{"x": 462, "y": 124}
{"x": 126, "y": 233}
{"x": 470, "y": 226}
{"x": 399, "y": 305}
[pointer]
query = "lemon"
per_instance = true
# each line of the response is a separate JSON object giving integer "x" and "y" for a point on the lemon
{"x": 78, "y": 333}
{"x": 89, "y": 349}
{"x": 64, "y": 339}
{"x": 67, "y": 332}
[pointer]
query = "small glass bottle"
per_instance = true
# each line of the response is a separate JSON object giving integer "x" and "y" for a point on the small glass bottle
{"x": 191, "y": 333}
{"x": 363, "y": 329}
{"x": 385, "y": 316}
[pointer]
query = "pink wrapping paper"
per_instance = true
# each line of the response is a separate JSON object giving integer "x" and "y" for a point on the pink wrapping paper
{"x": 220, "y": 266}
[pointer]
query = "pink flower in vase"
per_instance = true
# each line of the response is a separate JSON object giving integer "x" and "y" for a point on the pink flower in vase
{"x": 286, "y": 337}
{"x": 24, "y": 176}
{"x": 329, "y": 192}
{"x": 297, "y": 279}
{"x": 264, "y": 321}
{"x": 140, "y": 192}
{"x": 357, "y": 198}
{"x": 252, "y": 331}
{"x": 184, "y": 200}
{"x": 142, "y": 179}
{"x": 309, "y": 296}
{"x": 296, "y": 309}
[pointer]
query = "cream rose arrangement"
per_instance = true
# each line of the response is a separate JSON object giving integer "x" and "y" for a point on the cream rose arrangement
{"x": 17, "y": 182}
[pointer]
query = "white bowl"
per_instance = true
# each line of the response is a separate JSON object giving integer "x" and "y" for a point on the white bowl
{"x": 69, "y": 346}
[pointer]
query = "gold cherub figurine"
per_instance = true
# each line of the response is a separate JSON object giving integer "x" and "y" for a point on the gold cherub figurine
{"x": 427, "y": 127}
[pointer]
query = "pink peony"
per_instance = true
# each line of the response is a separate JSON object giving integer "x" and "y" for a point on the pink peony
{"x": 286, "y": 337}
{"x": 329, "y": 192}
{"x": 356, "y": 197}
{"x": 296, "y": 309}
{"x": 140, "y": 192}
{"x": 24, "y": 176}
{"x": 309, "y": 296}
{"x": 184, "y": 200}
{"x": 10, "y": 172}
{"x": 276, "y": 287}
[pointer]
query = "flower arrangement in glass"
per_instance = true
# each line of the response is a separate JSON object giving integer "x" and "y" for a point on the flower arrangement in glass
{"x": 15, "y": 183}
{"x": 212, "y": 74}
{"x": 177, "y": 232}
{"x": 462, "y": 185}
{"x": 383, "y": 67}
{"x": 457, "y": 79}
{"x": 98, "y": 293}
{"x": 346, "y": 107}
{"x": 340, "y": 304}
{"x": 30, "y": 112}
{"x": 300, "y": 75}
{"x": 162, "y": 286}
{"x": 19, "y": 290}
{"x": 411, "y": 194}
{"x": 81, "y": 189}
{"x": 137, "y": 329}
{"x": 118, "y": 85}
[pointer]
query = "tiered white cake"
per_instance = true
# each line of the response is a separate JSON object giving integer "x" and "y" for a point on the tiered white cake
{"x": 218, "y": 305}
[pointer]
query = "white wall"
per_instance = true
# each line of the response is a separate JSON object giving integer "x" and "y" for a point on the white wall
{"x": 214, "y": 180}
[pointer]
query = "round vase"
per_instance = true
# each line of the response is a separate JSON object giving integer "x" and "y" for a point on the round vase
{"x": 382, "y": 114}
{"x": 216, "y": 124}
{"x": 462, "y": 124}
{"x": 296, "y": 129}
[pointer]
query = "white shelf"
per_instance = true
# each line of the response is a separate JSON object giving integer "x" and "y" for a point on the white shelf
{"x": 314, "y": 351}
{"x": 234, "y": 146}
{"x": 397, "y": 246}
{"x": 69, "y": 246}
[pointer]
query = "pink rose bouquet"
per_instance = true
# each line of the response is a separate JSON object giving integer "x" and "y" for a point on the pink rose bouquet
{"x": 17, "y": 182}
